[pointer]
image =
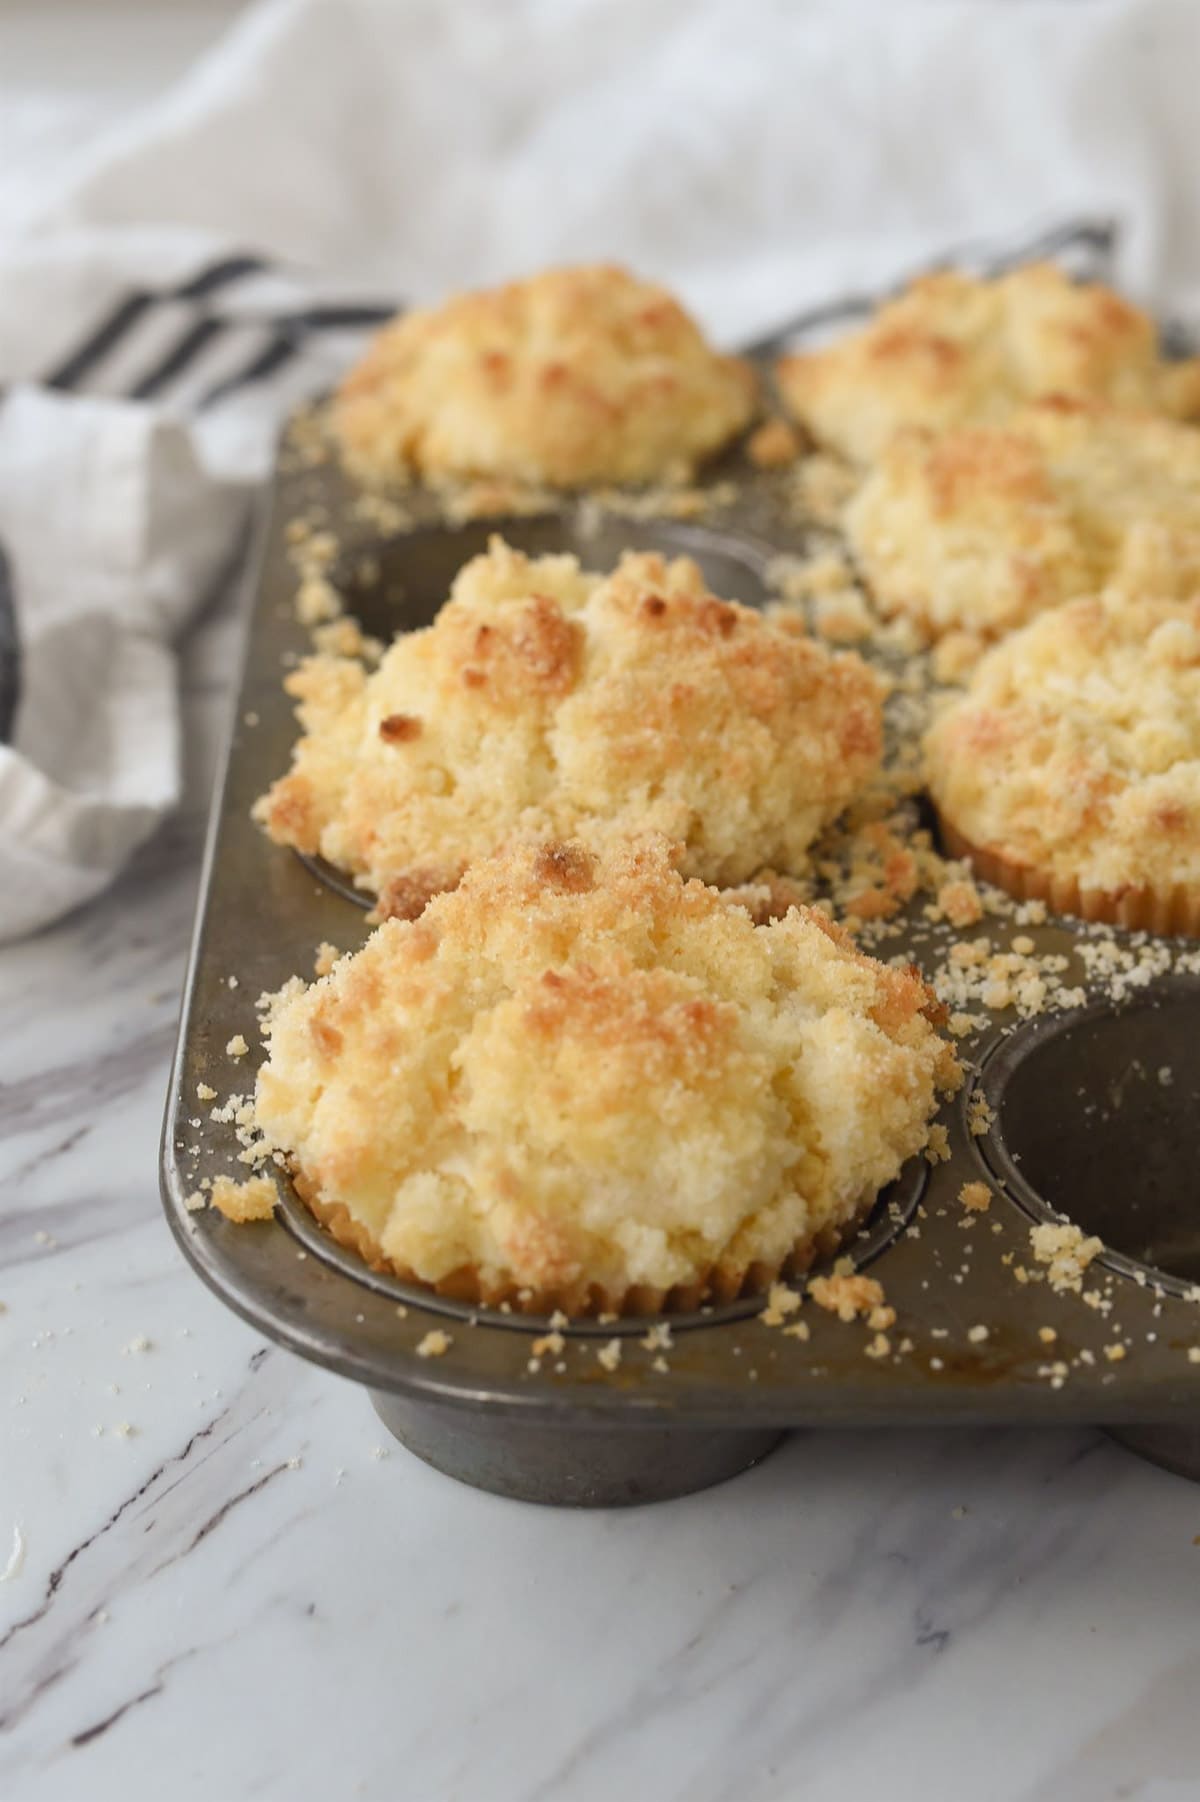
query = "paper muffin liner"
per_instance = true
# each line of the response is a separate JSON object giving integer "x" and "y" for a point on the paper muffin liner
{"x": 724, "y": 1281}
{"x": 1140, "y": 907}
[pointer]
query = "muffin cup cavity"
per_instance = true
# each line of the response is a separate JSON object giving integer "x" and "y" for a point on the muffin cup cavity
{"x": 406, "y": 579}
{"x": 1097, "y": 1120}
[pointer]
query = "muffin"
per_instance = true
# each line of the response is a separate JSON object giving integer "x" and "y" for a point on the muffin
{"x": 1070, "y": 769}
{"x": 576, "y": 377}
{"x": 981, "y": 527}
{"x": 580, "y": 1081}
{"x": 549, "y": 699}
{"x": 954, "y": 349}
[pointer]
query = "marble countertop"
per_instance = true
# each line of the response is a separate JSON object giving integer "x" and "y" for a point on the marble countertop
{"x": 225, "y": 1582}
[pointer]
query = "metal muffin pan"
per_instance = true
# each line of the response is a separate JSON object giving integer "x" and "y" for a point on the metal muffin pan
{"x": 1084, "y": 1122}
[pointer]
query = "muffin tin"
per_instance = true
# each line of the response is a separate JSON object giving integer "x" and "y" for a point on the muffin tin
{"x": 1097, "y": 1112}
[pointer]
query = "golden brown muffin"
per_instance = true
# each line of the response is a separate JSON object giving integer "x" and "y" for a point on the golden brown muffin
{"x": 579, "y": 1081}
{"x": 981, "y": 527}
{"x": 954, "y": 349}
{"x": 1070, "y": 769}
{"x": 554, "y": 700}
{"x": 573, "y": 378}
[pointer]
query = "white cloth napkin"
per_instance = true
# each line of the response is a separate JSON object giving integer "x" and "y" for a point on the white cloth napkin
{"x": 779, "y": 165}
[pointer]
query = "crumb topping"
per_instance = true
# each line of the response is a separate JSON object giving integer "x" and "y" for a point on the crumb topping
{"x": 632, "y": 703}
{"x": 255, "y": 1199}
{"x": 1075, "y": 752}
{"x": 977, "y": 530}
{"x": 573, "y": 378}
{"x": 578, "y": 1075}
{"x": 956, "y": 349}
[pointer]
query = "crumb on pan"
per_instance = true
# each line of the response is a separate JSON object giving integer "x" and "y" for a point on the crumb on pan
{"x": 255, "y": 1199}
{"x": 960, "y": 903}
{"x": 937, "y": 1149}
{"x": 773, "y": 444}
{"x": 1066, "y": 1252}
{"x": 782, "y": 1301}
{"x": 975, "y": 1197}
{"x": 846, "y": 1294}
{"x": 824, "y": 484}
{"x": 326, "y": 956}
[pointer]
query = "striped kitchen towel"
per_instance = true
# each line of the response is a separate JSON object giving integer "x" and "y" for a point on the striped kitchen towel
{"x": 225, "y": 254}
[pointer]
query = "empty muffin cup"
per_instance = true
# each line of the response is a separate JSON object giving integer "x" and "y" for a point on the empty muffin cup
{"x": 1098, "y": 1119}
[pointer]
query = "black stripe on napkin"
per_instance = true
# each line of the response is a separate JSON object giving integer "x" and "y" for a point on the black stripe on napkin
{"x": 291, "y": 328}
{"x": 338, "y": 318}
{"x": 10, "y": 651}
{"x": 184, "y": 351}
{"x": 96, "y": 346}
{"x": 120, "y": 321}
{"x": 264, "y": 363}
{"x": 219, "y": 275}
